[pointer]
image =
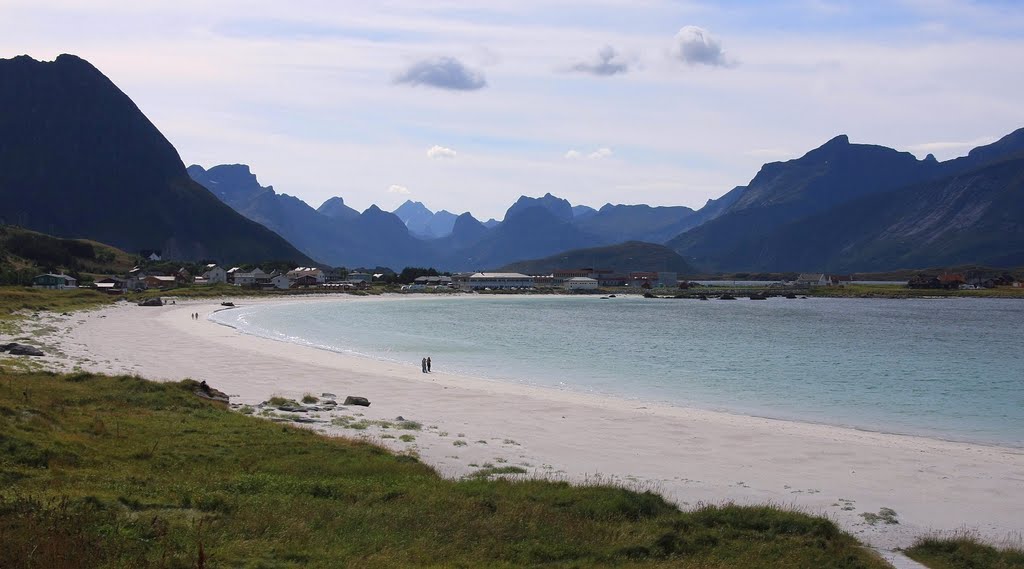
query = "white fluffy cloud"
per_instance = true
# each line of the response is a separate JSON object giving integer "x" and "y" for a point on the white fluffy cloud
{"x": 696, "y": 46}
{"x": 396, "y": 189}
{"x": 436, "y": 152}
{"x": 603, "y": 152}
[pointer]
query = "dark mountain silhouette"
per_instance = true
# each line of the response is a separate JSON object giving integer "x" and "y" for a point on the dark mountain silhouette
{"x": 465, "y": 232}
{"x": 796, "y": 215}
{"x": 424, "y": 223}
{"x": 527, "y": 233}
{"x": 558, "y": 207}
{"x": 371, "y": 238}
{"x": 975, "y": 217}
{"x": 79, "y": 159}
{"x": 622, "y": 258}
{"x": 581, "y": 211}
{"x": 335, "y": 208}
{"x": 619, "y": 223}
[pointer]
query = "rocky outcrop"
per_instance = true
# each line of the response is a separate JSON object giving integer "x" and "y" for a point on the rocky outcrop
{"x": 354, "y": 400}
{"x": 16, "y": 349}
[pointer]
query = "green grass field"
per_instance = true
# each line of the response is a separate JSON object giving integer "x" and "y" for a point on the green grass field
{"x": 121, "y": 472}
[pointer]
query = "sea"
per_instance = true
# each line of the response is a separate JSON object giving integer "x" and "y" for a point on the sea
{"x": 943, "y": 368}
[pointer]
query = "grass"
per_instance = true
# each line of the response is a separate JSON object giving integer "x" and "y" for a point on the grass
{"x": 15, "y": 300}
{"x": 964, "y": 552}
{"x": 102, "y": 471}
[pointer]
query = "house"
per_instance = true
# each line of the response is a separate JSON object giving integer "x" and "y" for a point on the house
{"x": 840, "y": 279}
{"x": 332, "y": 275}
{"x": 111, "y": 285}
{"x": 299, "y": 272}
{"x": 183, "y": 277}
{"x": 251, "y": 278}
{"x": 159, "y": 281}
{"x": 360, "y": 277}
{"x": 499, "y": 281}
{"x": 213, "y": 274}
{"x": 54, "y": 282}
{"x": 580, "y": 283}
{"x": 812, "y": 279}
{"x": 951, "y": 280}
{"x": 560, "y": 276}
{"x": 275, "y": 280}
{"x": 303, "y": 281}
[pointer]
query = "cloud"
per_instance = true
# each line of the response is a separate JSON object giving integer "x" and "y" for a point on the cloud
{"x": 603, "y": 152}
{"x": 608, "y": 63}
{"x": 443, "y": 73}
{"x": 696, "y": 46}
{"x": 440, "y": 152}
{"x": 396, "y": 189}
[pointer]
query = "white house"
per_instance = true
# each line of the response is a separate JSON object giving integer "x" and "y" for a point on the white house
{"x": 497, "y": 281}
{"x": 580, "y": 283}
{"x": 251, "y": 278}
{"x": 214, "y": 274}
{"x": 280, "y": 281}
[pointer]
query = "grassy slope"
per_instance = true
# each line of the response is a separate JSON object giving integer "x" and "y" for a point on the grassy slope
{"x": 110, "y": 472}
{"x": 964, "y": 553}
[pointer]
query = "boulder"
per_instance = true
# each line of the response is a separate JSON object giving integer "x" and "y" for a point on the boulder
{"x": 155, "y": 301}
{"x": 207, "y": 392}
{"x": 330, "y": 395}
{"x": 16, "y": 349}
{"x": 329, "y": 403}
{"x": 352, "y": 400}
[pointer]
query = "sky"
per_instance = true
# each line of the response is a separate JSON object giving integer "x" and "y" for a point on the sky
{"x": 465, "y": 106}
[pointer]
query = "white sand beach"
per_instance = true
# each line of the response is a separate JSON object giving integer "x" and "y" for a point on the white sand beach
{"x": 690, "y": 456}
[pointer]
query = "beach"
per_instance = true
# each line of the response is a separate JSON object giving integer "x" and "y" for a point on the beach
{"x": 690, "y": 456}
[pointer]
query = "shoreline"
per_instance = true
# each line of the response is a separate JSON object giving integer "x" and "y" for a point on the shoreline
{"x": 690, "y": 455}
{"x": 605, "y": 397}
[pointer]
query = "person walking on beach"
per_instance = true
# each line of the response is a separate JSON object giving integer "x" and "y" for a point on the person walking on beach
{"x": 423, "y": 365}
{"x": 428, "y": 364}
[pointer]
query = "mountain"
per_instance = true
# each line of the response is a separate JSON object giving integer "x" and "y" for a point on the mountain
{"x": 622, "y": 258}
{"x": 490, "y": 223}
{"x": 619, "y": 223}
{"x": 974, "y": 217}
{"x": 424, "y": 223}
{"x": 863, "y": 208}
{"x": 79, "y": 159}
{"x": 782, "y": 192}
{"x": 558, "y": 207}
{"x": 465, "y": 231}
{"x": 526, "y": 233}
{"x": 582, "y": 211}
{"x": 336, "y": 234}
{"x": 335, "y": 208}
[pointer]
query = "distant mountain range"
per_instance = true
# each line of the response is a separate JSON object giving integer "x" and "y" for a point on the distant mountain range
{"x": 855, "y": 207}
{"x": 78, "y": 159}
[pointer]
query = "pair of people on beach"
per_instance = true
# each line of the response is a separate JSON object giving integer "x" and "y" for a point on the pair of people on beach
{"x": 195, "y": 316}
{"x": 425, "y": 363}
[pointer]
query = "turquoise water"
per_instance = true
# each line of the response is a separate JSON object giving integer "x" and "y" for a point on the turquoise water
{"x": 949, "y": 368}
